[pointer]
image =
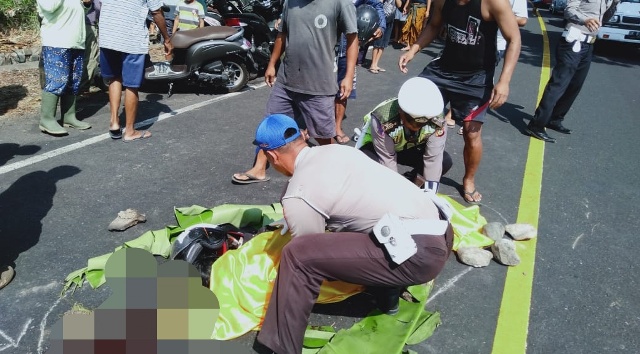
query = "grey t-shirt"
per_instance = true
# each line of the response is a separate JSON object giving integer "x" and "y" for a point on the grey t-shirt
{"x": 343, "y": 188}
{"x": 312, "y": 28}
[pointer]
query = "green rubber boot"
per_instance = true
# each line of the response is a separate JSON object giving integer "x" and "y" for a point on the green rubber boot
{"x": 48, "y": 122}
{"x": 68, "y": 109}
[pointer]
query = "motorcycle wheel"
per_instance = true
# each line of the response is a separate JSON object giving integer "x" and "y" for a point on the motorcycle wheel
{"x": 238, "y": 75}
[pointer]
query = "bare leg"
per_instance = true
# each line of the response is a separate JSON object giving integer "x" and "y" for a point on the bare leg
{"x": 472, "y": 155}
{"x": 131, "y": 111}
{"x": 115, "y": 94}
{"x": 322, "y": 141}
{"x": 341, "y": 107}
{"x": 259, "y": 169}
{"x": 375, "y": 58}
{"x": 450, "y": 122}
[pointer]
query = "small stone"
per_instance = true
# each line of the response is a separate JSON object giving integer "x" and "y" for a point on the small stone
{"x": 520, "y": 232}
{"x": 28, "y": 52}
{"x": 3, "y": 60}
{"x": 18, "y": 56}
{"x": 493, "y": 230}
{"x": 34, "y": 57}
{"x": 504, "y": 252}
{"x": 126, "y": 219}
{"x": 474, "y": 256}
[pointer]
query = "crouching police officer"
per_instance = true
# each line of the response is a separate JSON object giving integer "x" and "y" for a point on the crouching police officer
{"x": 409, "y": 130}
{"x": 385, "y": 231}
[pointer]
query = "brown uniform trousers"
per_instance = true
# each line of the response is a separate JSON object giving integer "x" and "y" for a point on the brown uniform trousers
{"x": 348, "y": 256}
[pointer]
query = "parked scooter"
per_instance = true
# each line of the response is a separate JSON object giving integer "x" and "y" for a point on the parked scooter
{"x": 259, "y": 31}
{"x": 217, "y": 56}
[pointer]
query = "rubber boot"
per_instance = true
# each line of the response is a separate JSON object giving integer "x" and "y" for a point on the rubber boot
{"x": 48, "y": 122}
{"x": 68, "y": 109}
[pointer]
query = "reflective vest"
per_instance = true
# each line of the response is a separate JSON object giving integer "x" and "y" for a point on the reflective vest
{"x": 387, "y": 114}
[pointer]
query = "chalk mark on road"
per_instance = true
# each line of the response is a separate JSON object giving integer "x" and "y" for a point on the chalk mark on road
{"x": 573, "y": 247}
{"x": 449, "y": 283}
{"x": 43, "y": 324}
{"x": 14, "y": 343}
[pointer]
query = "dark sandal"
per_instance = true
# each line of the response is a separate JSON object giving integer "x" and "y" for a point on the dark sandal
{"x": 115, "y": 133}
{"x": 471, "y": 199}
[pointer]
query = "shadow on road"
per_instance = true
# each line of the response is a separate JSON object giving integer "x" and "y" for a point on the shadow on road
{"x": 23, "y": 206}
{"x": 10, "y": 96}
{"x": 512, "y": 113}
{"x": 9, "y": 150}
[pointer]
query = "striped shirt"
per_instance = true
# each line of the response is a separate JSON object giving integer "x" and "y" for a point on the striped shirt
{"x": 122, "y": 25}
{"x": 189, "y": 15}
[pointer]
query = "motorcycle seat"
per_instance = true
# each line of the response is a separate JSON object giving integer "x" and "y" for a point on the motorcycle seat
{"x": 184, "y": 39}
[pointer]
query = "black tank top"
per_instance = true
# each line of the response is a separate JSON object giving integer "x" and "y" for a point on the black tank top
{"x": 471, "y": 41}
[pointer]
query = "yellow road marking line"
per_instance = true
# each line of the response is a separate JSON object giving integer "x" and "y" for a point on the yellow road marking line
{"x": 513, "y": 320}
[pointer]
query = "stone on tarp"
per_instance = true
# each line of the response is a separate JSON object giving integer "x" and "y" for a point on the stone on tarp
{"x": 493, "y": 230}
{"x": 504, "y": 251}
{"x": 126, "y": 219}
{"x": 520, "y": 232}
{"x": 474, "y": 256}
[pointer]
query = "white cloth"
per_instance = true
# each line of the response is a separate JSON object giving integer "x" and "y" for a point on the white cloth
{"x": 519, "y": 8}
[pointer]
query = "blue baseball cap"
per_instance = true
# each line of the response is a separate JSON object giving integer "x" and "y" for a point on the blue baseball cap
{"x": 270, "y": 134}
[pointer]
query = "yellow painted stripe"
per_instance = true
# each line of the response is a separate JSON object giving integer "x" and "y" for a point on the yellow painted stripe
{"x": 513, "y": 320}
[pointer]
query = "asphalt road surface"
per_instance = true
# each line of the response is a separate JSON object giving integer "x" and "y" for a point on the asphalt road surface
{"x": 57, "y": 196}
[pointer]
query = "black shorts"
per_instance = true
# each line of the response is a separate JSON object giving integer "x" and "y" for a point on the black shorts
{"x": 467, "y": 94}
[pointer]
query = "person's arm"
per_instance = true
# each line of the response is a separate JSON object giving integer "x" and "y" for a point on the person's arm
{"x": 383, "y": 145}
{"x": 427, "y": 35}
{"x": 346, "y": 85}
{"x": 572, "y": 12}
{"x": 503, "y": 15}
{"x": 200, "y": 17}
{"x": 278, "y": 49}
{"x": 428, "y": 8}
{"x": 301, "y": 218}
{"x": 176, "y": 23}
{"x": 433, "y": 155}
{"x": 382, "y": 23}
{"x": 158, "y": 19}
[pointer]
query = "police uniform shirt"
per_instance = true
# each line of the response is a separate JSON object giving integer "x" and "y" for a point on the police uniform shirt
{"x": 341, "y": 188}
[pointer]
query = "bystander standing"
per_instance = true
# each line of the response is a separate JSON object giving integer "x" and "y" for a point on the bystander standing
{"x": 124, "y": 44}
{"x": 464, "y": 70}
{"x": 63, "y": 36}
{"x": 305, "y": 86}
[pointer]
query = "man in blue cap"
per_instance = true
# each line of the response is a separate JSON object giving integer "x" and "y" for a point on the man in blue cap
{"x": 385, "y": 232}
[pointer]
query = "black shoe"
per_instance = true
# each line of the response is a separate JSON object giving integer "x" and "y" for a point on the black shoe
{"x": 539, "y": 134}
{"x": 557, "y": 126}
{"x": 388, "y": 300}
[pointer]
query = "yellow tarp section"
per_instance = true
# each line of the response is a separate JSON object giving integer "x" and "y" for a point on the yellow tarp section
{"x": 467, "y": 226}
{"x": 242, "y": 280}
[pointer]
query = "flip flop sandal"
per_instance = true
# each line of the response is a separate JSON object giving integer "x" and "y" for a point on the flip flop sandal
{"x": 345, "y": 139}
{"x": 470, "y": 195}
{"x": 461, "y": 131}
{"x": 374, "y": 71}
{"x": 250, "y": 179}
{"x": 144, "y": 134}
{"x": 115, "y": 134}
{"x": 382, "y": 70}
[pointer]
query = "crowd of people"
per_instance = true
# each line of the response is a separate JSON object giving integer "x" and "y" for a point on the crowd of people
{"x": 398, "y": 236}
